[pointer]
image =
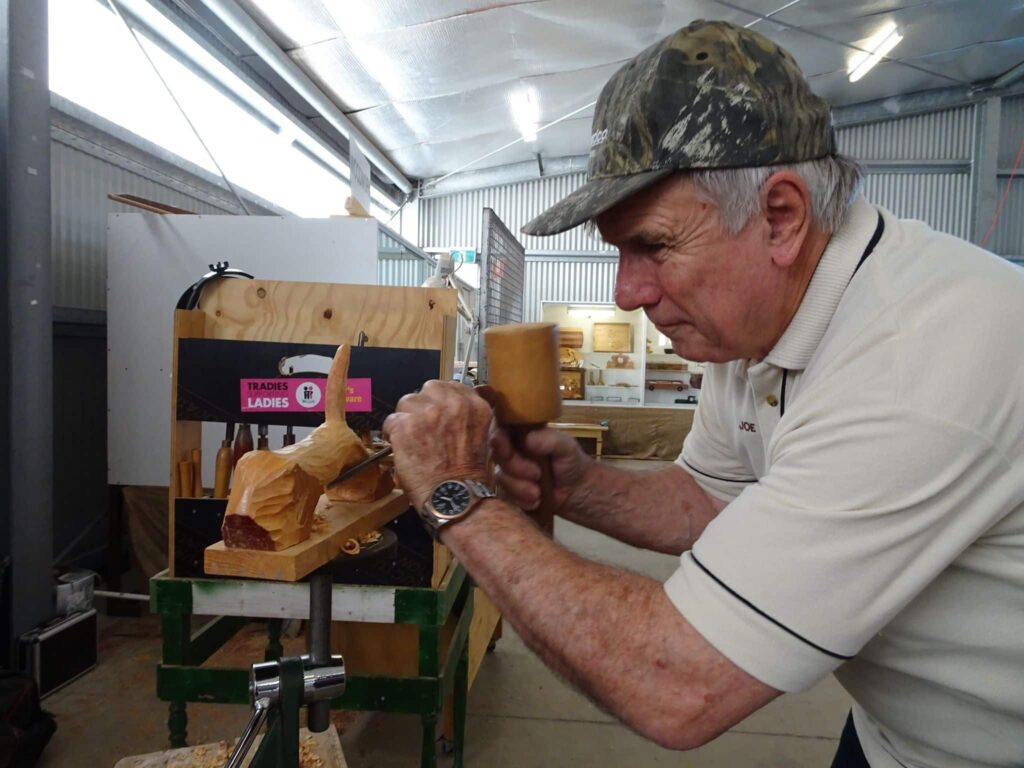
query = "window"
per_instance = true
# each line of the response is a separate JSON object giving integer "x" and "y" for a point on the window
{"x": 95, "y": 62}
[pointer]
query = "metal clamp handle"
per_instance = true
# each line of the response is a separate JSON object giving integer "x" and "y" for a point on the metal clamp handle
{"x": 260, "y": 708}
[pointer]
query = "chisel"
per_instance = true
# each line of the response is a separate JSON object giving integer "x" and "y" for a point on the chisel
{"x": 355, "y": 469}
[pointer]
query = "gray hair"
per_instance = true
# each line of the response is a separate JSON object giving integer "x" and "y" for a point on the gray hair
{"x": 833, "y": 183}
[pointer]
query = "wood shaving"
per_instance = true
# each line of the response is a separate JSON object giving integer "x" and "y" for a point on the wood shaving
{"x": 371, "y": 538}
{"x": 205, "y": 756}
{"x": 216, "y": 755}
{"x": 308, "y": 754}
{"x": 351, "y": 547}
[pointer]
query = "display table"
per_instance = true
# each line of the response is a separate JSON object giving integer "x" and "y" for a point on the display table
{"x": 583, "y": 430}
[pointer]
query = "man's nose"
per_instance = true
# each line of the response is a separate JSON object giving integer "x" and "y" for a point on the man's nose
{"x": 636, "y": 283}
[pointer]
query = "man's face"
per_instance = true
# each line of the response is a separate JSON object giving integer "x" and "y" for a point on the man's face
{"x": 713, "y": 294}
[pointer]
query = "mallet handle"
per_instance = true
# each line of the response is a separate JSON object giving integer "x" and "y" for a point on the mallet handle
{"x": 544, "y": 513}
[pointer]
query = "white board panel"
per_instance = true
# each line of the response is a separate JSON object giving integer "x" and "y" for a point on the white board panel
{"x": 279, "y": 600}
{"x": 151, "y": 260}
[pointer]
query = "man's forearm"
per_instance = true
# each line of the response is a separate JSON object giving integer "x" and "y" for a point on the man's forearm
{"x": 663, "y": 510}
{"x": 613, "y": 634}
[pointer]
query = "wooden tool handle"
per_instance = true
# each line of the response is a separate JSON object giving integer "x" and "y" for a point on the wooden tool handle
{"x": 197, "y": 473}
{"x": 184, "y": 479}
{"x": 222, "y": 471}
{"x": 243, "y": 442}
{"x": 544, "y": 512}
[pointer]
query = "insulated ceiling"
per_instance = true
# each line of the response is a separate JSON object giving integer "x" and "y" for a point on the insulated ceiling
{"x": 432, "y": 81}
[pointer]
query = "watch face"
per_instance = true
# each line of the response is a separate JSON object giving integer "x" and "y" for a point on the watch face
{"x": 450, "y": 499}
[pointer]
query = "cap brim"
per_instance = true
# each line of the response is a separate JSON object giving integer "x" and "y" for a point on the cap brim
{"x": 593, "y": 198}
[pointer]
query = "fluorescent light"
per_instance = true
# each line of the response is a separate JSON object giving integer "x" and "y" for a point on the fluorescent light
{"x": 598, "y": 311}
{"x": 875, "y": 49}
{"x": 525, "y": 112}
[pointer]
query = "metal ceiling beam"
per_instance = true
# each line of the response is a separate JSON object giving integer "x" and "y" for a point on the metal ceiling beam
{"x": 252, "y": 35}
{"x": 841, "y": 43}
{"x": 1009, "y": 77}
{"x": 504, "y": 174}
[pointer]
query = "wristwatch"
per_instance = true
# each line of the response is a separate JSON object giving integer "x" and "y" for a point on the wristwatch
{"x": 450, "y": 501}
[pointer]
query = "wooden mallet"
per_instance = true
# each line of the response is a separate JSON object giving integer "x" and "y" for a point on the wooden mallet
{"x": 522, "y": 372}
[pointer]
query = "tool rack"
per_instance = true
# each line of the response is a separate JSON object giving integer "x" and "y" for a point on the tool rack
{"x": 409, "y": 649}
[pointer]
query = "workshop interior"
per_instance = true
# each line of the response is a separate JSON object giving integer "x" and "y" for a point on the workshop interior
{"x": 239, "y": 232}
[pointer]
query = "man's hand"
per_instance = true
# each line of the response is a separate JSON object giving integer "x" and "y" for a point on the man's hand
{"x": 519, "y": 473}
{"x": 439, "y": 434}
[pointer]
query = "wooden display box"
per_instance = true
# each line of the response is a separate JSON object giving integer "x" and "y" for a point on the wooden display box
{"x": 613, "y": 337}
{"x": 570, "y": 337}
{"x": 572, "y": 383}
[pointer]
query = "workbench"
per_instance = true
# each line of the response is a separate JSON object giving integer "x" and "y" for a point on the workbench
{"x": 585, "y": 431}
{"x": 441, "y": 618}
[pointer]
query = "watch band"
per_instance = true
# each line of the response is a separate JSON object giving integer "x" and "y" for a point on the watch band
{"x": 480, "y": 490}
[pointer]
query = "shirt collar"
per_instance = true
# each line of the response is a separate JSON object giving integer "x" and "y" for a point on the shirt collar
{"x": 829, "y": 281}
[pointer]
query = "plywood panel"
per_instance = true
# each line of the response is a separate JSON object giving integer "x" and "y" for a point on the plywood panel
{"x": 325, "y": 313}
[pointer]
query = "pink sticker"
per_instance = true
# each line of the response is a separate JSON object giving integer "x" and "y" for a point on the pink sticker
{"x": 300, "y": 395}
{"x": 359, "y": 396}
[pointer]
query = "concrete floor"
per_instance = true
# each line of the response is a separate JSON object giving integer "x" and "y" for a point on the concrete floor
{"x": 519, "y": 714}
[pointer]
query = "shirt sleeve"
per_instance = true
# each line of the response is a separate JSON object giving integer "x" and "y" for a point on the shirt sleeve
{"x": 856, "y": 516}
{"x": 711, "y": 462}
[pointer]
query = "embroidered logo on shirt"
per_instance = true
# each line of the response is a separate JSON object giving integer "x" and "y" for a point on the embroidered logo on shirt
{"x": 746, "y": 426}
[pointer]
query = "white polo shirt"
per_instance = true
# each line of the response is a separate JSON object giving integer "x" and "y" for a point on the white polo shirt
{"x": 874, "y": 465}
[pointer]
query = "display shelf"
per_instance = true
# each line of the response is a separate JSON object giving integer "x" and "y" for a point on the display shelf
{"x": 577, "y": 321}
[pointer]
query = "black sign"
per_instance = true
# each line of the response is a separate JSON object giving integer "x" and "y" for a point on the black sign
{"x": 210, "y": 372}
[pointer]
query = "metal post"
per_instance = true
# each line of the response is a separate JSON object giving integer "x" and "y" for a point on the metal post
{"x": 319, "y": 715}
{"x": 985, "y": 166}
{"x": 26, "y": 338}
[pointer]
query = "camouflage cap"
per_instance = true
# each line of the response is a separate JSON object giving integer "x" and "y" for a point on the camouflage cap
{"x": 711, "y": 95}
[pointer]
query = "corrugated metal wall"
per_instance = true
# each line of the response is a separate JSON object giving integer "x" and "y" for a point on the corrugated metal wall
{"x": 1008, "y": 237}
{"x": 456, "y": 221}
{"x": 943, "y": 200}
{"x": 398, "y": 265}
{"x": 401, "y": 270}
{"x": 918, "y": 167}
{"x": 945, "y": 135}
{"x": 939, "y": 194}
{"x": 453, "y": 221}
{"x": 571, "y": 280}
{"x": 79, "y": 186}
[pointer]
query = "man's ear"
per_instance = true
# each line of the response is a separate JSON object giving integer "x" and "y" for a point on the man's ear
{"x": 786, "y": 203}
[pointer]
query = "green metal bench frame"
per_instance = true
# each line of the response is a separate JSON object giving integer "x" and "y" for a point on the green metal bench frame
{"x": 181, "y": 678}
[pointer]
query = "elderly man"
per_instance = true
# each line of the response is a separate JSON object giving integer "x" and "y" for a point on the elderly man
{"x": 850, "y": 498}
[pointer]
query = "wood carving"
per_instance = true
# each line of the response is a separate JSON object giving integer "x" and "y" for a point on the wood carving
{"x": 275, "y": 492}
{"x": 369, "y": 485}
{"x": 569, "y": 358}
{"x": 620, "y": 361}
